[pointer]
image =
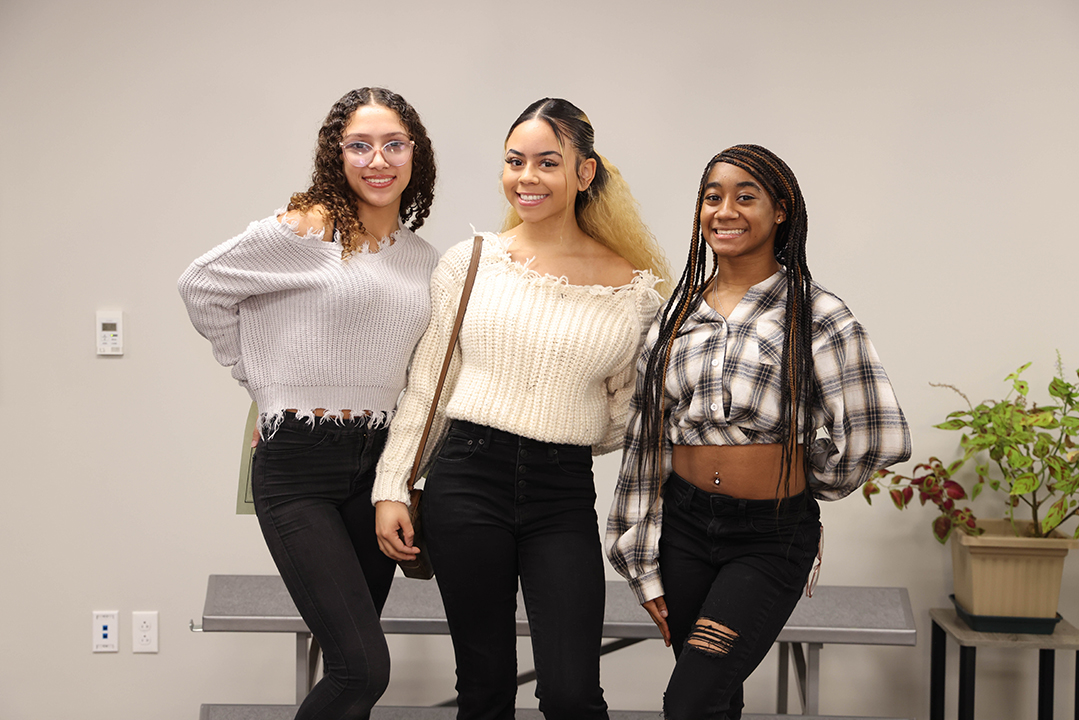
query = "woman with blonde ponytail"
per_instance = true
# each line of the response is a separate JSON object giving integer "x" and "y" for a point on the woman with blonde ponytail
{"x": 540, "y": 382}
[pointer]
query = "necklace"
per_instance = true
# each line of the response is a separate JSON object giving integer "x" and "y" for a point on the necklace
{"x": 717, "y": 306}
{"x": 368, "y": 234}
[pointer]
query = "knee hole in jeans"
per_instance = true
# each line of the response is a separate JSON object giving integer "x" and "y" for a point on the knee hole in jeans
{"x": 711, "y": 637}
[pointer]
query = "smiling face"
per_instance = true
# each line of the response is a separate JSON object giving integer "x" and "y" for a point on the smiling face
{"x": 541, "y": 178}
{"x": 738, "y": 217}
{"x": 379, "y": 184}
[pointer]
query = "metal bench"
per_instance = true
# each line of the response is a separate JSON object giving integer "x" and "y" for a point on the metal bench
{"x": 844, "y": 615}
{"x": 288, "y": 712}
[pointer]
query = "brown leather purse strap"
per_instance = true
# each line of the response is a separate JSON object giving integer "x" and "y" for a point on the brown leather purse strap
{"x": 470, "y": 279}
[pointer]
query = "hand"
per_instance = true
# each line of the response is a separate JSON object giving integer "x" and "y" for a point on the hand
{"x": 394, "y": 530}
{"x": 657, "y": 608}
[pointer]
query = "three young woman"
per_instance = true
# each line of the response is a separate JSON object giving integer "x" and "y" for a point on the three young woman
{"x": 715, "y": 521}
{"x": 540, "y": 382}
{"x": 317, "y": 309}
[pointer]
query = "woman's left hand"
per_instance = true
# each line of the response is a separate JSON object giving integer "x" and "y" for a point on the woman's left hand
{"x": 657, "y": 608}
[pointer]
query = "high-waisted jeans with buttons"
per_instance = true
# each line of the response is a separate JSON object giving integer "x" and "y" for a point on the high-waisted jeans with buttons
{"x": 312, "y": 491}
{"x": 733, "y": 570}
{"x": 499, "y": 507}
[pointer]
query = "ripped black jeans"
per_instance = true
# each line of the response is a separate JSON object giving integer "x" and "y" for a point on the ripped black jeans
{"x": 739, "y": 567}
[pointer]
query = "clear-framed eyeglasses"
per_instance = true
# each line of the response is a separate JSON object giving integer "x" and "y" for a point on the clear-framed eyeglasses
{"x": 361, "y": 154}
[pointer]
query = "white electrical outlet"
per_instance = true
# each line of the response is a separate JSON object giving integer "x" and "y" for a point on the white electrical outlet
{"x": 106, "y": 631}
{"x": 144, "y": 631}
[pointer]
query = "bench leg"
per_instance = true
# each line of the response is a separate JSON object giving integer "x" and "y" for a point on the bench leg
{"x": 1046, "y": 671}
{"x": 301, "y": 666}
{"x": 784, "y": 679}
{"x": 812, "y": 681}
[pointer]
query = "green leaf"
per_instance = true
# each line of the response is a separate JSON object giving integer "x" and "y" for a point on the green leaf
{"x": 1015, "y": 374}
{"x": 952, "y": 425}
{"x": 1068, "y": 485}
{"x": 1057, "y": 512}
{"x": 977, "y": 489}
{"x": 1059, "y": 388}
{"x": 1025, "y": 483}
{"x": 1022, "y": 387}
{"x": 1071, "y": 423}
{"x": 1043, "y": 419}
{"x": 1018, "y": 460}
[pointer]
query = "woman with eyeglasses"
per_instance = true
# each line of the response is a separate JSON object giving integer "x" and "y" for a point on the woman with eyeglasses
{"x": 317, "y": 310}
{"x": 758, "y": 393}
{"x": 539, "y": 383}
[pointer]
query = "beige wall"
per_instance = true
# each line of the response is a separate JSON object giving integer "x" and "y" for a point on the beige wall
{"x": 935, "y": 143}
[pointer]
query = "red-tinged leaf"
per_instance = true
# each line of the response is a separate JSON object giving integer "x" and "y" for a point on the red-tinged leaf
{"x": 948, "y": 505}
{"x": 897, "y": 498}
{"x": 954, "y": 490}
{"x": 908, "y": 494}
{"x": 942, "y": 528}
{"x": 869, "y": 490}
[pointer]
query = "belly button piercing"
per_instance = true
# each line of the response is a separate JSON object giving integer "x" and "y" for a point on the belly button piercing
{"x": 716, "y": 479}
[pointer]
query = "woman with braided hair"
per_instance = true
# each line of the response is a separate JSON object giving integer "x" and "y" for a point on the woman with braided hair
{"x": 758, "y": 393}
{"x": 539, "y": 383}
{"x": 318, "y": 309}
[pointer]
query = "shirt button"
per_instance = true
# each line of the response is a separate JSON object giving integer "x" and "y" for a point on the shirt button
{"x": 715, "y": 362}
{"x": 713, "y": 406}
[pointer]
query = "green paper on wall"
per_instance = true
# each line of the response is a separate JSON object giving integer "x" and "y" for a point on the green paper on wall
{"x": 245, "y": 502}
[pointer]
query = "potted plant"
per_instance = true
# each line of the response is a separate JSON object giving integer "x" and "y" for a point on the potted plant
{"x": 1028, "y": 453}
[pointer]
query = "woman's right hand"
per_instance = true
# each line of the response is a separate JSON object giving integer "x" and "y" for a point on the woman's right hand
{"x": 394, "y": 530}
{"x": 657, "y": 608}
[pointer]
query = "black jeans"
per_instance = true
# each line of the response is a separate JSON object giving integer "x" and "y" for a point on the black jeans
{"x": 499, "y": 507}
{"x": 312, "y": 491}
{"x": 733, "y": 570}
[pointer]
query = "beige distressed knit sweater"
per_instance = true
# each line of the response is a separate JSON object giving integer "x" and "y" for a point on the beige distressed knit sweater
{"x": 537, "y": 357}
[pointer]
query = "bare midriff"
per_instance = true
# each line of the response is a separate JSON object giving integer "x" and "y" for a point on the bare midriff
{"x": 744, "y": 471}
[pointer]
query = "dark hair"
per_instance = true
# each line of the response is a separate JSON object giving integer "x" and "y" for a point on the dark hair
{"x": 329, "y": 186}
{"x": 606, "y": 211}
{"x": 799, "y": 392}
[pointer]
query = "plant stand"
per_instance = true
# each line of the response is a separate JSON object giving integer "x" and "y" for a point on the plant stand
{"x": 946, "y": 623}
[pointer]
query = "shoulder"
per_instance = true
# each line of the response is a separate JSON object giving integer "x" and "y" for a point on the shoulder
{"x": 248, "y": 247}
{"x": 617, "y": 269}
{"x": 834, "y": 325}
{"x": 304, "y": 222}
{"x": 424, "y": 248}
{"x": 453, "y": 266}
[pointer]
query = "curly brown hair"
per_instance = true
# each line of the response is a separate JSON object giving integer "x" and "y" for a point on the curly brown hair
{"x": 329, "y": 187}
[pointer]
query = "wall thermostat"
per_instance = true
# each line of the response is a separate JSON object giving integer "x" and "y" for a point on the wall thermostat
{"x": 110, "y": 332}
